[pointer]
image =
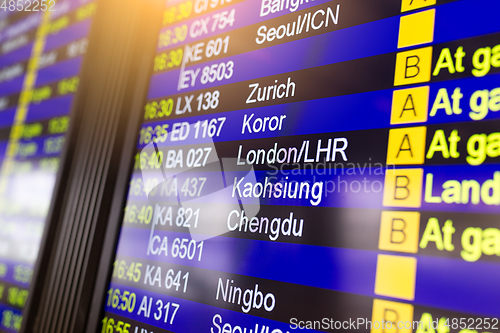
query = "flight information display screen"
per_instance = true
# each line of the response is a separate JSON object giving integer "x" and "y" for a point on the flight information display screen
{"x": 315, "y": 165}
{"x": 41, "y": 50}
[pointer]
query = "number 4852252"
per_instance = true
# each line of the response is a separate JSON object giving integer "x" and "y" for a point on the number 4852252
{"x": 28, "y": 5}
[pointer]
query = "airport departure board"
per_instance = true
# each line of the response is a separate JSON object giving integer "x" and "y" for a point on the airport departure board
{"x": 315, "y": 166}
{"x": 42, "y": 44}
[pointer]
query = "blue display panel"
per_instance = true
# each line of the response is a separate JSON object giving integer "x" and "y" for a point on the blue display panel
{"x": 41, "y": 54}
{"x": 315, "y": 166}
